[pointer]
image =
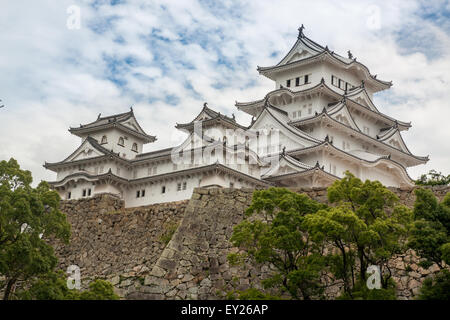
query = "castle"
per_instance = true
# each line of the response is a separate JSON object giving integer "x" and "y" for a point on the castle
{"x": 318, "y": 122}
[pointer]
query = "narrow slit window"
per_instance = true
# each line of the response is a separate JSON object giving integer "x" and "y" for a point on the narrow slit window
{"x": 288, "y": 83}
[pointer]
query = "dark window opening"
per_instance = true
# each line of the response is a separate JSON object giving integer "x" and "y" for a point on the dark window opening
{"x": 297, "y": 81}
{"x": 89, "y": 192}
{"x": 306, "y": 78}
{"x": 143, "y": 193}
{"x": 288, "y": 83}
{"x": 163, "y": 189}
{"x": 84, "y": 192}
{"x": 69, "y": 195}
{"x": 138, "y": 194}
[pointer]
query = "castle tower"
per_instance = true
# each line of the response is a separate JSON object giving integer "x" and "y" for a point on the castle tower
{"x": 322, "y": 104}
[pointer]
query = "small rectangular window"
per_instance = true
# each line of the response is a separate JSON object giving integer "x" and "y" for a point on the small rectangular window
{"x": 184, "y": 185}
{"x": 163, "y": 189}
{"x": 333, "y": 80}
{"x": 89, "y": 192}
{"x": 84, "y": 192}
{"x": 178, "y": 186}
{"x": 306, "y": 78}
{"x": 288, "y": 83}
{"x": 297, "y": 81}
{"x": 143, "y": 193}
{"x": 69, "y": 195}
{"x": 138, "y": 194}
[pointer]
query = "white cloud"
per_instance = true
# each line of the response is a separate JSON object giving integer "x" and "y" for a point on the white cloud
{"x": 152, "y": 54}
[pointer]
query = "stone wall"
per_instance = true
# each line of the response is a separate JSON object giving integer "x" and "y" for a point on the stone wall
{"x": 110, "y": 242}
{"x": 128, "y": 246}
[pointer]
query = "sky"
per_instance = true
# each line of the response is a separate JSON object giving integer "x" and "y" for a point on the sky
{"x": 64, "y": 62}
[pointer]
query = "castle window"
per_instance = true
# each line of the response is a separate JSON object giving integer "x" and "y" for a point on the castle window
{"x": 89, "y": 192}
{"x": 288, "y": 83}
{"x": 84, "y": 192}
{"x": 69, "y": 195}
{"x": 333, "y": 80}
{"x": 121, "y": 142}
{"x": 297, "y": 81}
{"x": 143, "y": 193}
{"x": 138, "y": 194}
{"x": 104, "y": 140}
{"x": 134, "y": 147}
{"x": 178, "y": 186}
{"x": 163, "y": 189}
{"x": 306, "y": 78}
{"x": 184, "y": 185}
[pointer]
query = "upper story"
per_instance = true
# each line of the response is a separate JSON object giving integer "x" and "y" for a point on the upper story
{"x": 307, "y": 63}
{"x": 120, "y": 134}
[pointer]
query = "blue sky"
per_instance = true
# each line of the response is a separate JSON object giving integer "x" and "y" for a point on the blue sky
{"x": 168, "y": 57}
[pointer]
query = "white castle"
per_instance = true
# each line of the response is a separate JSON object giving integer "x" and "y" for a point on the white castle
{"x": 318, "y": 122}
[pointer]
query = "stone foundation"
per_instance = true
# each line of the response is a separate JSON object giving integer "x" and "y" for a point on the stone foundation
{"x": 129, "y": 247}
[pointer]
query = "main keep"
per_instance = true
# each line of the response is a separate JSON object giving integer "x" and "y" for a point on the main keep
{"x": 318, "y": 122}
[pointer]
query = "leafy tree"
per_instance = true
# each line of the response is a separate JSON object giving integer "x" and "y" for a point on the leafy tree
{"x": 53, "y": 286}
{"x": 277, "y": 236}
{"x": 28, "y": 216}
{"x": 366, "y": 226}
{"x": 437, "y": 288}
{"x": 433, "y": 178}
{"x": 430, "y": 233}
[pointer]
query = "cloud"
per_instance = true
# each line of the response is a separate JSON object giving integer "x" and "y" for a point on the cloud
{"x": 167, "y": 57}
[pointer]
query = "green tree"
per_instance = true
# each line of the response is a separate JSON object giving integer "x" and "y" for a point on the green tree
{"x": 28, "y": 216}
{"x": 430, "y": 233}
{"x": 437, "y": 288}
{"x": 367, "y": 226}
{"x": 433, "y": 178}
{"x": 277, "y": 236}
{"x": 53, "y": 286}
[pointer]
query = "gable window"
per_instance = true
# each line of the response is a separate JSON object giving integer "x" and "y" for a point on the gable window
{"x": 134, "y": 147}
{"x": 288, "y": 83}
{"x": 104, "y": 140}
{"x": 121, "y": 142}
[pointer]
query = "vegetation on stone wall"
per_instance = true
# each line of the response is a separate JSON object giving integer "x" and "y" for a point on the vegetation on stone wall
{"x": 430, "y": 237}
{"x": 433, "y": 178}
{"x": 366, "y": 225}
{"x": 29, "y": 217}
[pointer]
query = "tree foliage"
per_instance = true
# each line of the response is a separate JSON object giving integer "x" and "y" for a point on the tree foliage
{"x": 433, "y": 178}
{"x": 366, "y": 226}
{"x": 437, "y": 288}
{"x": 277, "y": 236}
{"x": 28, "y": 216}
{"x": 430, "y": 233}
{"x": 53, "y": 286}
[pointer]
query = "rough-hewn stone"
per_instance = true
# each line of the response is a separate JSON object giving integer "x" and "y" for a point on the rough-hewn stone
{"x": 125, "y": 246}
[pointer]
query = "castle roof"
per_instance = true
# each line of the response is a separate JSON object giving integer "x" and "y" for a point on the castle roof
{"x": 210, "y": 117}
{"x": 255, "y": 107}
{"x": 123, "y": 121}
{"x": 325, "y": 116}
{"x": 101, "y": 153}
{"x": 306, "y": 51}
